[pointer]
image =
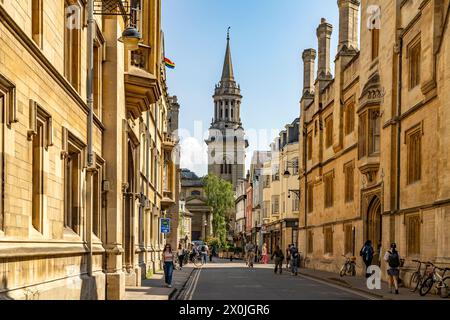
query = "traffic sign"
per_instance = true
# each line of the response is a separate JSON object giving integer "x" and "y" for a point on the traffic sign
{"x": 165, "y": 225}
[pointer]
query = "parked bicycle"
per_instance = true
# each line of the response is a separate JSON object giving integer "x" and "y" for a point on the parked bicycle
{"x": 418, "y": 276}
{"x": 349, "y": 267}
{"x": 434, "y": 278}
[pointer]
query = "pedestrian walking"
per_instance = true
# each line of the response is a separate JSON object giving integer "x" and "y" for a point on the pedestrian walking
{"x": 279, "y": 257}
{"x": 295, "y": 258}
{"x": 288, "y": 256}
{"x": 367, "y": 253}
{"x": 181, "y": 252}
{"x": 204, "y": 252}
{"x": 168, "y": 258}
{"x": 213, "y": 253}
{"x": 264, "y": 254}
{"x": 392, "y": 257}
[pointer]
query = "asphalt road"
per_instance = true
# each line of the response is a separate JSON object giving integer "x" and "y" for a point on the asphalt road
{"x": 234, "y": 281}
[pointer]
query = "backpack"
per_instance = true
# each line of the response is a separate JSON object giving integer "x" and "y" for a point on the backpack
{"x": 366, "y": 253}
{"x": 203, "y": 248}
{"x": 394, "y": 259}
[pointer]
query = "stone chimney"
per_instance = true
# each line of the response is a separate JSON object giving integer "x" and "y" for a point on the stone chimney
{"x": 309, "y": 57}
{"x": 324, "y": 32}
{"x": 348, "y": 24}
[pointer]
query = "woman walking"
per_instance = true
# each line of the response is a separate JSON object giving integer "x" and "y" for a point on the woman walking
{"x": 264, "y": 254}
{"x": 392, "y": 257}
{"x": 279, "y": 257}
{"x": 168, "y": 259}
{"x": 180, "y": 252}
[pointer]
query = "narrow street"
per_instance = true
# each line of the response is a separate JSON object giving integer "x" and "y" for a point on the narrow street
{"x": 234, "y": 281}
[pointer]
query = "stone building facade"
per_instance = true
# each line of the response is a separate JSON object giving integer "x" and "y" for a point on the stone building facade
{"x": 280, "y": 201}
{"x": 69, "y": 231}
{"x": 373, "y": 140}
{"x": 194, "y": 195}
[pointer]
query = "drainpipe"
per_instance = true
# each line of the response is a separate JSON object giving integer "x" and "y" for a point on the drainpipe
{"x": 305, "y": 163}
{"x": 90, "y": 104}
{"x": 399, "y": 112}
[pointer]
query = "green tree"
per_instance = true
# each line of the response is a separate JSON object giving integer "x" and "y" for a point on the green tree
{"x": 220, "y": 197}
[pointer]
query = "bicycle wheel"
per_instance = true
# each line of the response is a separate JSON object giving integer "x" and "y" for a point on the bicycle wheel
{"x": 426, "y": 286}
{"x": 353, "y": 270}
{"x": 445, "y": 288}
{"x": 198, "y": 262}
{"x": 414, "y": 281}
{"x": 343, "y": 270}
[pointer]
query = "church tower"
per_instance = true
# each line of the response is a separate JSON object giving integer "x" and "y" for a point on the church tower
{"x": 226, "y": 142}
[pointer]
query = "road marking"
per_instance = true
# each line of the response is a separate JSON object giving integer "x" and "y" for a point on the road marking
{"x": 367, "y": 296}
{"x": 194, "y": 284}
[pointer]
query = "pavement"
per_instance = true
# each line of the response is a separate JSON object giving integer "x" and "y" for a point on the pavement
{"x": 155, "y": 289}
{"x": 359, "y": 284}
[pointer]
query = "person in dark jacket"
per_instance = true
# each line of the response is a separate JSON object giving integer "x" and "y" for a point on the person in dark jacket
{"x": 279, "y": 257}
{"x": 367, "y": 255}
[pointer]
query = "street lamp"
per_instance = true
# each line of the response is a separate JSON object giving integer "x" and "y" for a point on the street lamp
{"x": 131, "y": 38}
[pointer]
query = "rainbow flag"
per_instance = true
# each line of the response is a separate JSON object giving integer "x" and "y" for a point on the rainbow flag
{"x": 169, "y": 63}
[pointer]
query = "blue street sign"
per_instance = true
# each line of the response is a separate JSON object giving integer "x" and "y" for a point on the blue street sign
{"x": 165, "y": 225}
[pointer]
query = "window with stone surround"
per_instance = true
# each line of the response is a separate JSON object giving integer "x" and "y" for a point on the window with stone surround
{"x": 414, "y": 154}
{"x": 369, "y": 133}
{"x": 328, "y": 240}
{"x": 413, "y": 224}
{"x": 74, "y": 157}
{"x": 40, "y": 133}
{"x": 99, "y": 50}
{"x": 295, "y": 204}
{"x": 329, "y": 131}
{"x": 349, "y": 118}
{"x": 97, "y": 193}
{"x": 310, "y": 145}
{"x": 7, "y": 116}
{"x": 310, "y": 241}
{"x": 328, "y": 182}
{"x": 349, "y": 169}
{"x": 375, "y": 33}
{"x": 37, "y": 13}
{"x": 348, "y": 239}
{"x": 275, "y": 204}
{"x": 72, "y": 45}
{"x": 310, "y": 197}
{"x": 414, "y": 52}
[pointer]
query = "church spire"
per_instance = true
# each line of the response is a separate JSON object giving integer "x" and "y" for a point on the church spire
{"x": 227, "y": 72}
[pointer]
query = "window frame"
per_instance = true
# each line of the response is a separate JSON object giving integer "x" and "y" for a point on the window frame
{"x": 349, "y": 188}
{"x": 328, "y": 182}
{"x": 414, "y": 57}
{"x": 414, "y": 171}
{"x": 329, "y": 131}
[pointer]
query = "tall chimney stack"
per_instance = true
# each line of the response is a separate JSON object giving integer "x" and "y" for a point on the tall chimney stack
{"x": 324, "y": 32}
{"x": 309, "y": 57}
{"x": 348, "y": 24}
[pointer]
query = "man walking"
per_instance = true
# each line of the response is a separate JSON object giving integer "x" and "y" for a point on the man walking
{"x": 288, "y": 257}
{"x": 294, "y": 260}
{"x": 204, "y": 252}
{"x": 279, "y": 257}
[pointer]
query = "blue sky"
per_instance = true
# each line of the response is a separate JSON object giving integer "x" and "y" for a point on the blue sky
{"x": 267, "y": 39}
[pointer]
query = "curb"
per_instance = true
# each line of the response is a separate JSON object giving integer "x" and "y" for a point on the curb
{"x": 172, "y": 294}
